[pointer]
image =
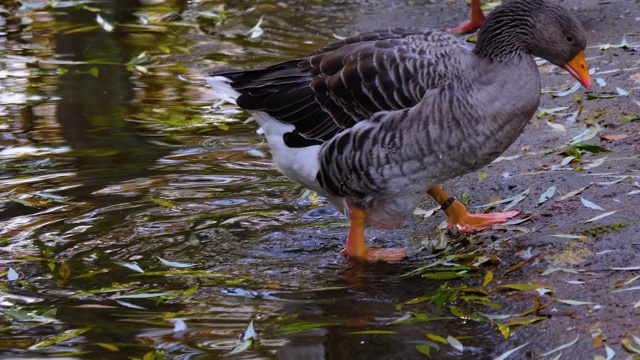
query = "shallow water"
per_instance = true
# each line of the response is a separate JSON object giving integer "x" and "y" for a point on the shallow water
{"x": 137, "y": 221}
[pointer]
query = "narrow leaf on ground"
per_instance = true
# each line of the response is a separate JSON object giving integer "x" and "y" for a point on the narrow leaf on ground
{"x": 506, "y": 354}
{"x": 548, "y": 194}
{"x": 595, "y": 218}
{"x": 590, "y": 205}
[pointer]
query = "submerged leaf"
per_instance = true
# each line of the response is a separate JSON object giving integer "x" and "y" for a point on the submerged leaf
{"x": 372, "y": 332}
{"x": 522, "y": 287}
{"x": 68, "y": 334}
{"x": 175, "y": 264}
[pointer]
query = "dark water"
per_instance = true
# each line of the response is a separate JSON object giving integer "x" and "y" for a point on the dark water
{"x": 130, "y": 209}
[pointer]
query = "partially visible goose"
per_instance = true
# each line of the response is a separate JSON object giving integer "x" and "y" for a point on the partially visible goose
{"x": 374, "y": 121}
{"x": 476, "y": 18}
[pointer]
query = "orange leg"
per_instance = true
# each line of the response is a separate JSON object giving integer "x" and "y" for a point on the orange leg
{"x": 475, "y": 20}
{"x": 356, "y": 246}
{"x": 462, "y": 219}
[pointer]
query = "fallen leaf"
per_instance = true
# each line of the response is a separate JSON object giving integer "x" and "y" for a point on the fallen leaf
{"x": 508, "y": 353}
{"x": 574, "y": 302}
{"x": 572, "y": 193}
{"x": 590, "y": 205}
{"x": 564, "y": 346}
{"x": 595, "y": 218}
{"x": 613, "y": 137}
{"x": 548, "y": 194}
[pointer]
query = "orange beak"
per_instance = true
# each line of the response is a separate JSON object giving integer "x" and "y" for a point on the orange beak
{"x": 577, "y": 67}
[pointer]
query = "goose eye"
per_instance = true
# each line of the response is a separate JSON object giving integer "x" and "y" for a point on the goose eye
{"x": 570, "y": 38}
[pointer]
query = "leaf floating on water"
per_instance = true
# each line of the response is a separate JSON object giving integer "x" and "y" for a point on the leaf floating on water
{"x": 523, "y": 287}
{"x": 596, "y": 218}
{"x": 104, "y": 23}
{"x": 548, "y": 194}
{"x": 372, "y": 332}
{"x": 64, "y": 271}
{"x": 574, "y": 302}
{"x": 424, "y": 349}
{"x": 590, "y": 205}
{"x": 488, "y": 277}
{"x": 146, "y": 295}
{"x": 455, "y": 343}
{"x": 561, "y": 347}
{"x": 506, "y": 354}
{"x": 130, "y": 305}
{"x": 68, "y": 334}
{"x": 175, "y": 264}
{"x": 249, "y": 333}
{"x": 178, "y": 325}
{"x": 164, "y": 203}
{"x": 256, "y": 31}
{"x": 505, "y": 329}
{"x": 436, "y": 338}
{"x": 306, "y": 327}
{"x": 94, "y": 72}
{"x": 12, "y": 275}
{"x": 107, "y": 346}
{"x": 132, "y": 266}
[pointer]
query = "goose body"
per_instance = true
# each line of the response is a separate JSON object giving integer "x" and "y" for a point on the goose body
{"x": 374, "y": 121}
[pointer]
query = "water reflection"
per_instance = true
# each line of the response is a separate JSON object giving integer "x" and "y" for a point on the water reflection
{"x": 112, "y": 164}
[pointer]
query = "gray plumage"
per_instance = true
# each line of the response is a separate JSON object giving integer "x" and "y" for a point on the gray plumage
{"x": 395, "y": 112}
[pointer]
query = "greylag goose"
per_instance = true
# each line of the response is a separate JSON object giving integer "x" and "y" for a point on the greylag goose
{"x": 476, "y": 18}
{"x": 375, "y": 120}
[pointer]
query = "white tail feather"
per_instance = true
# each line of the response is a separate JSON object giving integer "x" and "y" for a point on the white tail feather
{"x": 222, "y": 88}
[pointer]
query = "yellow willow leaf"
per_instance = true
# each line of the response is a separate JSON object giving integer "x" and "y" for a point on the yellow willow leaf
{"x": 488, "y": 277}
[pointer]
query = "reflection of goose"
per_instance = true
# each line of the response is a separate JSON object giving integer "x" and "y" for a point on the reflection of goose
{"x": 375, "y": 120}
